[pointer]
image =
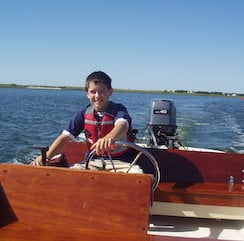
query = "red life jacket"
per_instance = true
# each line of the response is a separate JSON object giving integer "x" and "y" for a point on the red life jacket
{"x": 96, "y": 129}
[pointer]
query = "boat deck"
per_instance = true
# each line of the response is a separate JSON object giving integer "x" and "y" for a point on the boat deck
{"x": 198, "y": 228}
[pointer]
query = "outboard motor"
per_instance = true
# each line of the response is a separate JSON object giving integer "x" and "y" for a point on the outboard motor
{"x": 162, "y": 123}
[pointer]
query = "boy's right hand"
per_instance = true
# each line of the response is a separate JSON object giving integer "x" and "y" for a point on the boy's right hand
{"x": 37, "y": 161}
{"x": 103, "y": 145}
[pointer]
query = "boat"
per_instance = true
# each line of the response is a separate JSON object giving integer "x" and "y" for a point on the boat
{"x": 183, "y": 194}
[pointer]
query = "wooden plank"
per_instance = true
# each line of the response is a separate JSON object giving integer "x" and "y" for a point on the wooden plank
{"x": 63, "y": 198}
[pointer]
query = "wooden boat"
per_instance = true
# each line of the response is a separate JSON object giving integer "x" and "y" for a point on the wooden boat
{"x": 190, "y": 194}
{"x": 55, "y": 203}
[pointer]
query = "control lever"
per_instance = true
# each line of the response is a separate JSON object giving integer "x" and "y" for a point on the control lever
{"x": 44, "y": 150}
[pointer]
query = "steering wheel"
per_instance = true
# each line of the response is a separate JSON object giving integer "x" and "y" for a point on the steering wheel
{"x": 140, "y": 150}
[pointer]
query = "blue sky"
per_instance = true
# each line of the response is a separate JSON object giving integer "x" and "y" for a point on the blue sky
{"x": 142, "y": 44}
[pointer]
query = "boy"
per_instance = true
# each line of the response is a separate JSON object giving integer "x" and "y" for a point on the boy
{"x": 102, "y": 120}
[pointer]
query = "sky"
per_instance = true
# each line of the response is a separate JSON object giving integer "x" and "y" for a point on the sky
{"x": 195, "y": 45}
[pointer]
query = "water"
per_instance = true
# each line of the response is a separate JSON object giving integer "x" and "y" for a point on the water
{"x": 35, "y": 116}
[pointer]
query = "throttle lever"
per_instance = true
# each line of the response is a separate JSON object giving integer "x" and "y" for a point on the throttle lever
{"x": 44, "y": 150}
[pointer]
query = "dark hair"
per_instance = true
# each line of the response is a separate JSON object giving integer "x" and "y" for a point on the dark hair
{"x": 98, "y": 77}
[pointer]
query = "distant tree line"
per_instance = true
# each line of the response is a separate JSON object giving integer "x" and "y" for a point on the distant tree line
{"x": 206, "y": 93}
{"x": 218, "y": 93}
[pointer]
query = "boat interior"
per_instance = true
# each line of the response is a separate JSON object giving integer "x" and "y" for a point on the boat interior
{"x": 53, "y": 203}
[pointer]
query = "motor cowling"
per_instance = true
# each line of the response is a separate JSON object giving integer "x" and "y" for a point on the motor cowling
{"x": 162, "y": 122}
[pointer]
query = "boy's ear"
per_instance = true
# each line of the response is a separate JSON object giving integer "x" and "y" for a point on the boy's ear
{"x": 111, "y": 91}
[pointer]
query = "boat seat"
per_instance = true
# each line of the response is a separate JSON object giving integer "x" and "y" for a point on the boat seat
{"x": 51, "y": 203}
{"x": 204, "y": 193}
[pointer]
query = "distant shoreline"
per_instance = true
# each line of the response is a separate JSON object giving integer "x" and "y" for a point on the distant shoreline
{"x": 185, "y": 92}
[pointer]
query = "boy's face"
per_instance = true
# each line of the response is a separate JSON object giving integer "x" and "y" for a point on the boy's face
{"x": 99, "y": 94}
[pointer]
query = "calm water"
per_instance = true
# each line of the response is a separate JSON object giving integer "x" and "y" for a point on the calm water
{"x": 33, "y": 116}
